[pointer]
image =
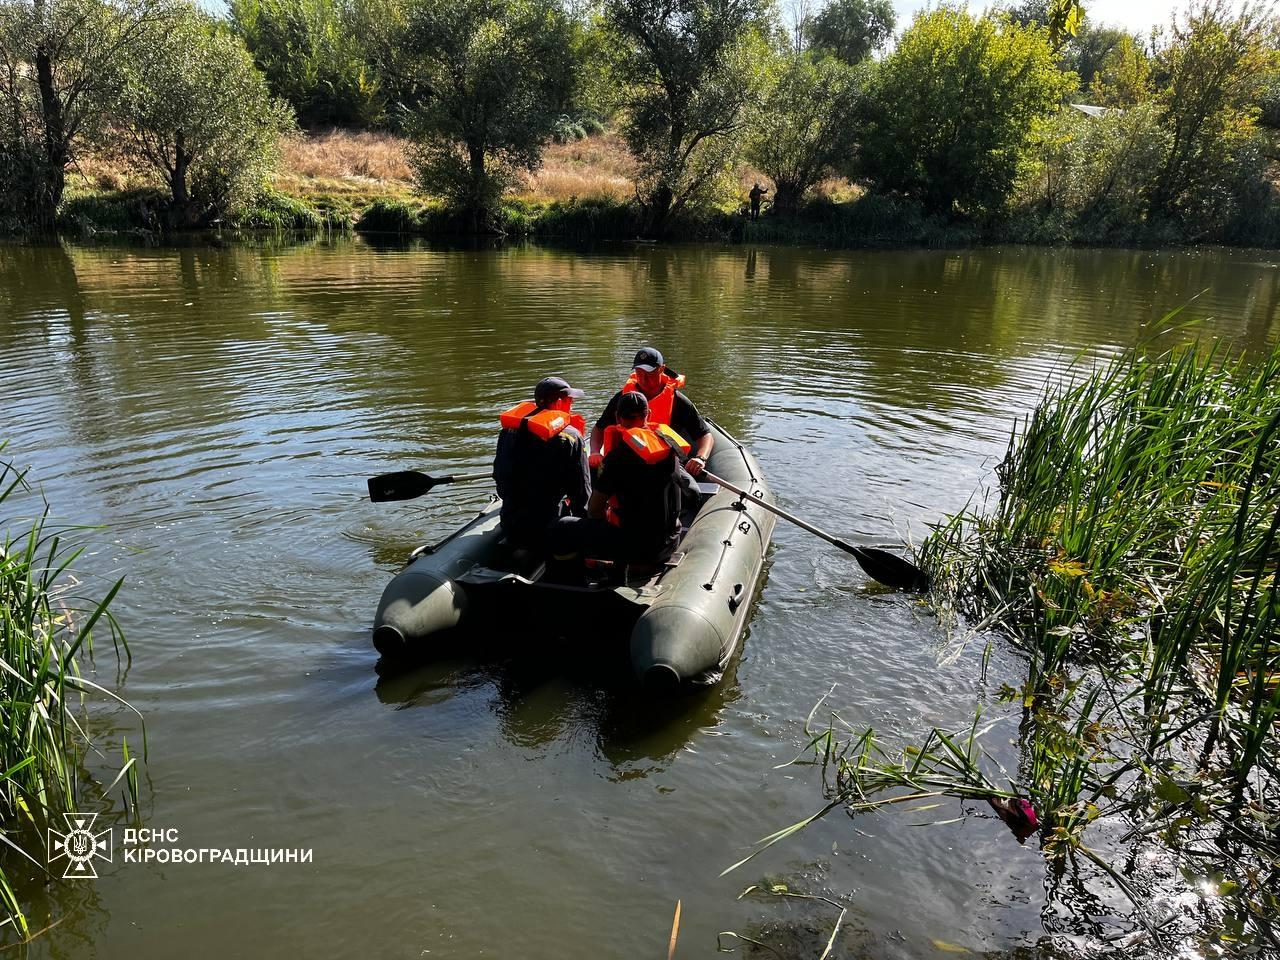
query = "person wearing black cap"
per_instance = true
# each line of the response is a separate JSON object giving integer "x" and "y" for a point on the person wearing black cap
{"x": 667, "y": 405}
{"x": 634, "y": 510}
{"x": 541, "y": 464}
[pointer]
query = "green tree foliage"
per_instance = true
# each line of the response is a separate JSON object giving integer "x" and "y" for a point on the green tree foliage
{"x": 60, "y": 75}
{"x": 806, "y": 124}
{"x": 1090, "y": 49}
{"x": 690, "y": 68}
{"x": 496, "y": 76}
{"x": 198, "y": 112}
{"x": 314, "y": 56}
{"x": 1123, "y": 78}
{"x": 1092, "y": 177}
{"x": 952, "y": 109}
{"x": 851, "y": 29}
{"x": 1211, "y": 73}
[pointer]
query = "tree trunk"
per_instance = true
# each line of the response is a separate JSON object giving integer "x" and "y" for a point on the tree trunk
{"x": 475, "y": 203}
{"x": 786, "y": 198}
{"x": 49, "y": 184}
{"x": 659, "y": 208}
{"x": 180, "y": 210}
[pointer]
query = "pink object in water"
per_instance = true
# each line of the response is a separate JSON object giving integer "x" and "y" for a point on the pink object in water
{"x": 1018, "y": 814}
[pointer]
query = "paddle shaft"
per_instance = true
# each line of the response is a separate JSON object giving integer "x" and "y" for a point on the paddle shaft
{"x": 464, "y": 478}
{"x": 834, "y": 541}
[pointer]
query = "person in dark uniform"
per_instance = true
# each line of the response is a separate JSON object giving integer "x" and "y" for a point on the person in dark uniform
{"x": 755, "y": 194}
{"x": 667, "y": 405}
{"x": 541, "y": 464}
{"x": 634, "y": 510}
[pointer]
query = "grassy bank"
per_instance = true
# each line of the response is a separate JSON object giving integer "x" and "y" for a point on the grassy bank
{"x": 583, "y": 192}
{"x": 46, "y": 640}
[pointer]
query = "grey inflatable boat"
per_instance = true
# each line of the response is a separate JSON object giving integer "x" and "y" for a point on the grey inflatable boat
{"x": 682, "y": 623}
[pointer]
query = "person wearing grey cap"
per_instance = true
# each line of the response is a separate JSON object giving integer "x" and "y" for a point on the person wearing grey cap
{"x": 541, "y": 464}
{"x": 668, "y": 405}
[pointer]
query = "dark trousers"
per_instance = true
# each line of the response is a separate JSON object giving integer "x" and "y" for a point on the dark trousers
{"x": 571, "y": 536}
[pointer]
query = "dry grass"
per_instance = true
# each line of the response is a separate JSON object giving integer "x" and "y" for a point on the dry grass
{"x": 598, "y": 166}
{"x": 353, "y": 168}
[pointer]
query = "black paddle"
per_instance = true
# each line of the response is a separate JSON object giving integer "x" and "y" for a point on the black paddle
{"x": 408, "y": 484}
{"x": 880, "y": 565}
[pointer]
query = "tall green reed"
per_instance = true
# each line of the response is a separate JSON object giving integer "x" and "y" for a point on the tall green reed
{"x": 47, "y": 628}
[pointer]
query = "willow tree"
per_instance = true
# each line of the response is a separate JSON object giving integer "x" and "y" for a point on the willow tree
{"x": 60, "y": 76}
{"x": 689, "y": 68}
{"x": 494, "y": 76}
{"x": 198, "y": 112}
{"x": 806, "y": 124}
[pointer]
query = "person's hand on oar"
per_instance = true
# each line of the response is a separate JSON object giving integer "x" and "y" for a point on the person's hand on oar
{"x": 879, "y": 565}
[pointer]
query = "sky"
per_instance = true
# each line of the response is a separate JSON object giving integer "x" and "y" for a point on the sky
{"x": 1137, "y": 16}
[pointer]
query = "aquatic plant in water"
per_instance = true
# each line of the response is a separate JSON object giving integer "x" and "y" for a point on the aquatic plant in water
{"x": 1131, "y": 556}
{"x": 46, "y": 632}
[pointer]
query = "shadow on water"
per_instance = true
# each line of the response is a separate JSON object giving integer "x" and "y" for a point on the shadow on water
{"x": 564, "y": 694}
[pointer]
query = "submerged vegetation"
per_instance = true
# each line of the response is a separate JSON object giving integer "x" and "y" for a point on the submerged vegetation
{"x": 1131, "y": 557}
{"x": 46, "y": 637}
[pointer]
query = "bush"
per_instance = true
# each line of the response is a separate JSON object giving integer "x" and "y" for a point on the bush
{"x": 1093, "y": 176}
{"x": 198, "y": 112}
{"x": 389, "y": 216}
{"x": 273, "y": 210}
{"x": 952, "y": 109}
{"x": 311, "y": 53}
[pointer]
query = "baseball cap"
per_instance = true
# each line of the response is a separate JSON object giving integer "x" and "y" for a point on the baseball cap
{"x": 647, "y": 358}
{"x": 554, "y": 388}
{"x": 632, "y": 404}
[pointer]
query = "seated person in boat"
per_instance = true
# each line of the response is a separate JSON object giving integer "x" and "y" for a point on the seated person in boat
{"x": 541, "y": 465}
{"x": 634, "y": 510}
{"x": 668, "y": 406}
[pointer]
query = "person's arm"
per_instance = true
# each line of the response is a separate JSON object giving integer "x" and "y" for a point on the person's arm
{"x": 607, "y": 418}
{"x": 578, "y": 481}
{"x": 694, "y": 429}
{"x": 688, "y": 486}
{"x": 597, "y": 445}
{"x": 502, "y": 463}
{"x": 597, "y": 506}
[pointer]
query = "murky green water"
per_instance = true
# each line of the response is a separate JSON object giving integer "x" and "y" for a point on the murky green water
{"x": 218, "y": 409}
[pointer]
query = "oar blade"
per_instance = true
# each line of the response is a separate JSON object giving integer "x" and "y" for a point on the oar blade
{"x": 405, "y": 485}
{"x": 890, "y": 569}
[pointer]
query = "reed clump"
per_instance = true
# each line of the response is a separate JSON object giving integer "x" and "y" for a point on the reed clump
{"x": 47, "y": 628}
{"x": 1131, "y": 555}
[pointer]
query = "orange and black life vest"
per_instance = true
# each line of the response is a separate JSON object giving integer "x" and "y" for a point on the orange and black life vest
{"x": 661, "y": 406}
{"x": 652, "y": 444}
{"x": 543, "y": 423}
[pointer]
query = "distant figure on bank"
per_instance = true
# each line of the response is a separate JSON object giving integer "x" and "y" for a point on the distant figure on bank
{"x": 756, "y": 193}
{"x": 634, "y": 510}
{"x": 667, "y": 405}
{"x": 541, "y": 464}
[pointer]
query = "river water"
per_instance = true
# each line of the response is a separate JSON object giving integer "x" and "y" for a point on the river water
{"x": 216, "y": 410}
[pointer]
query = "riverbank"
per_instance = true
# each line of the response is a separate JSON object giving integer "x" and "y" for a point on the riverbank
{"x": 584, "y": 192}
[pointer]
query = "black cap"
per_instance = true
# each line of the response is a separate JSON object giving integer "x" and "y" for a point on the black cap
{"x": 554, "y": 388}
{"x": 632, "y": 404}
{"x": 647, "y": 358}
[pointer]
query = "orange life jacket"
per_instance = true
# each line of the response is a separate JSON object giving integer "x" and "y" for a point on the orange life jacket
{"x": 652, "y": 444}
{"x": 542, "y": 423}
{"x": 660, "y": 407}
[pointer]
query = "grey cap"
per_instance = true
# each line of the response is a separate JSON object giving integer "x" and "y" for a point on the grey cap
{"x": 554, "y": 388}
{"x": 632, "y": 403}
{"x": 647, "y": 358}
